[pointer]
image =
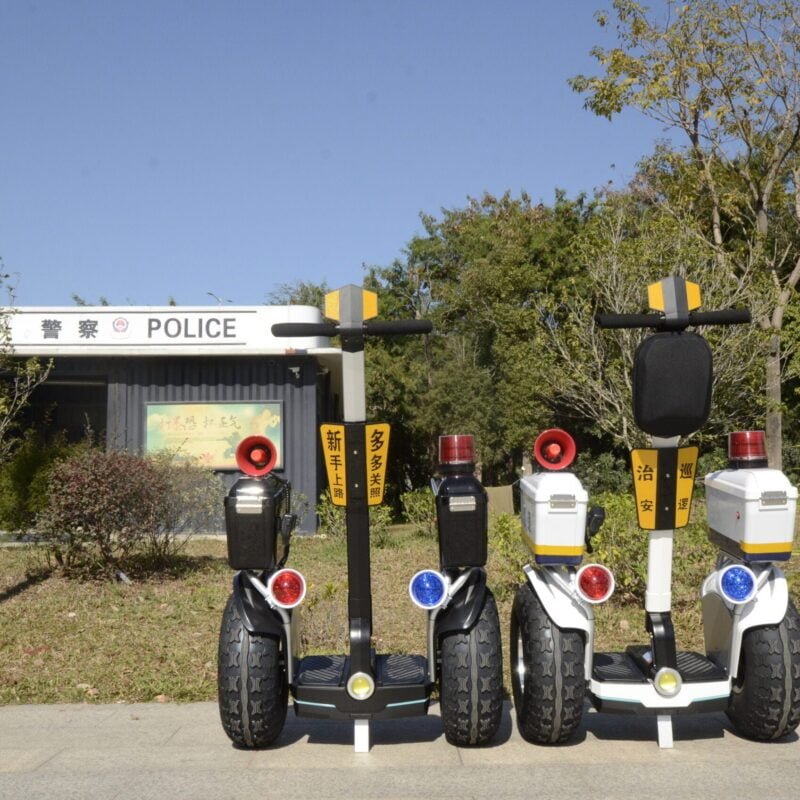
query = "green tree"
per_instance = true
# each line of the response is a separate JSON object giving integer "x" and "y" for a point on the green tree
{"x": 628, "y": 243}
{"x": 476, "y": 272}
{"x": 726, "y": 75}
{"x": 20, "y": 376}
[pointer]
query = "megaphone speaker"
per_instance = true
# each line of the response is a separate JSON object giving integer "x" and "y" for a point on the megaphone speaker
{"x": 554, "y": 449}
{"x": 256, "y": 455}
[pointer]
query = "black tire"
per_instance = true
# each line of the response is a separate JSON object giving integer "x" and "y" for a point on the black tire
{"x": 251, "y": 682}
{"x": 547, "y": 672}
{"x": 471, "y": 680}
{"x": 765, "y": 701}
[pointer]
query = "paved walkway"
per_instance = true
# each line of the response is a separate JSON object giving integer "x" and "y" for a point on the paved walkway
{"x": 170, "y": 751}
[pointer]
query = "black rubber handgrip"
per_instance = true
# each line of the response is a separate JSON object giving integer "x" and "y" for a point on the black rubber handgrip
{"x": 397, "y": 327}
{"x": 286, "y": 329}
{"x": 729, "y": 316}
{"x": 629, "y": 320}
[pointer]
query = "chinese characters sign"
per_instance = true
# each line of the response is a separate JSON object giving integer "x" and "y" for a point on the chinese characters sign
{"x": 377, "y": 451}
{"x": 333, "y": 451}
{"x": 210, "y": 432}
{"x": 663, "y": 482}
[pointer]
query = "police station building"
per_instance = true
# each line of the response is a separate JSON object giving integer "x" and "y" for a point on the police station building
{"x": 194, "y": 381}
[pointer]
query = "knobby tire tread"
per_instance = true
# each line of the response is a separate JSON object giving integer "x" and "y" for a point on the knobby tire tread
{"x": 471, "y": 680}
{"x": 548, "y": 699}
{"x": 765, "y": 702}
{"x": 251, "y": 680}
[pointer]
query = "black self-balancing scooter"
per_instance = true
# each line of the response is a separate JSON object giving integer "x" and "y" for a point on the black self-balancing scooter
{"x": 259, "y": 665}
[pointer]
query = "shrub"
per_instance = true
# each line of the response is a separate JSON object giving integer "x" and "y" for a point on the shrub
{"x": 333, "y": 521}
{"x": 102, "y": 509}
{"x": 507, "y": 554}
{"x": 603, "y": 473}
{"x": 419, "y": 510}
{"x": 23, "y": 484}
{"x": 622, "y": 546}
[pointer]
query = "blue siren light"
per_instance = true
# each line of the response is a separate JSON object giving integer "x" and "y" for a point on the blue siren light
{"x": 737, "y": 583}
{"x": 428, "y": 589}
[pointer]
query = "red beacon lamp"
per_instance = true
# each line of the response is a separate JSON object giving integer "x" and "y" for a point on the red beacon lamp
{"x": 747, "y": 450}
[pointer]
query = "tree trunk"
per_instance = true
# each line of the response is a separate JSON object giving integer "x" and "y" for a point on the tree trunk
{"x": 774, "y": 431}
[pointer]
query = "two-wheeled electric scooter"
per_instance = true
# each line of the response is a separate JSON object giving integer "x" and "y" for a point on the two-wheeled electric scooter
{"x": 751, "y": 667}
{"x": 259, "y": 664}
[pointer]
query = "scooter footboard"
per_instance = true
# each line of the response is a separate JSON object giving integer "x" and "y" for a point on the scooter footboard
{"x": 725, "y": 623}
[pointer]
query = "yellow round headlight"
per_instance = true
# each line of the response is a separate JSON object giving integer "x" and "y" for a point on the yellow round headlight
{"x": 667, "y": 682}
{"x": 360, "y": 686}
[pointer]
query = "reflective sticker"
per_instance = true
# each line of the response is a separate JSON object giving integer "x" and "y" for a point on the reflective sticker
{"x": 377, "y": 436}
{"x": 645, "y": 475}
{"x": 333, "y": 451}
{"x": 663, "y": 483}
{"x": 686, "y": 468}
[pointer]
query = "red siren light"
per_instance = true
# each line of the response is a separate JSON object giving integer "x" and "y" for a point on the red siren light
{"x": 256, "y": 456}
{"x": 457, "y": 449}
{"x": 747, "y": 446}
{"x": 554, "y": 449}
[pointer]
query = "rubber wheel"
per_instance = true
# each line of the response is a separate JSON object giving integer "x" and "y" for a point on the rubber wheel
{"x": 547, "y": 672}
{"x": 251, "y": 680}
{"x": 765, "y": 702}
{"x": 471, "y": 680}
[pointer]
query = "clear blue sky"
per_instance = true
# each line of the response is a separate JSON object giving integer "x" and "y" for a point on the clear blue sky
{"x": 171, "y": 148}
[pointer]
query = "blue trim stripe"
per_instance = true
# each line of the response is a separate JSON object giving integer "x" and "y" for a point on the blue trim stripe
{"x": 405, "y": 703}
{"x": 310, "y": 703}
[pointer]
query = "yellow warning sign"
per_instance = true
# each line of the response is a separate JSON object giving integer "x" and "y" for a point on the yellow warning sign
{"x": 377, "y": 456}
{"x": 369, "y": 305}
{"x": 656, "y": 291}
{"x": 687, "y": 466}
{"x": 644, "y": 464}
{"x": 663, "y": 482}
{"x": 333, "y": 451}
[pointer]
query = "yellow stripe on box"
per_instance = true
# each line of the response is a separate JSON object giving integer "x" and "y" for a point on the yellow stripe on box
{"x": 769, "y": 547}
{"x": 554, "y": 550}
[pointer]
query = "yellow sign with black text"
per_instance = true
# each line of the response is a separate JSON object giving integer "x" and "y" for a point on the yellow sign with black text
{"x": 663, "y": 482}
{"x": 333, "y": 451}
{"x": 377, "y": 456}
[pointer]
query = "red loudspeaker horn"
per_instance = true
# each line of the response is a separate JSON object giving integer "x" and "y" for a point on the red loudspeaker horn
{"x": 554, "y": 449}
{"x": 256, "y": 456}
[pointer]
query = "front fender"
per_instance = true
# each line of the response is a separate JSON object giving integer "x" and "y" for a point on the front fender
{"x": 257, "y": 616}
{"x": 556, "y": 592}
{"x": 465, "y": 606}
{"x": 724, "y": 625}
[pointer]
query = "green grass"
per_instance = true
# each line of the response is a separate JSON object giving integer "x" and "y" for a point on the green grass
{"x": 156, "y": 638}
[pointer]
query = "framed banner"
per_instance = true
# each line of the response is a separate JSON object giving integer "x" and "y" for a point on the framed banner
{"x": 209, "y": 432}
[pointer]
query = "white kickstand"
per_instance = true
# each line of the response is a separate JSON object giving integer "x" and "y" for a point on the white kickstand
{"x": 664, "y": 730}
{"x": 361, "y": 735}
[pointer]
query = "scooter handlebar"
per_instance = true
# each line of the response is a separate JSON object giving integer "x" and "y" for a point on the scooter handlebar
{"x": 397, "y": 327}
{"x": 287, "y": 329}
{"x": 728, "y": 316}
{"x": 629, "y": 320}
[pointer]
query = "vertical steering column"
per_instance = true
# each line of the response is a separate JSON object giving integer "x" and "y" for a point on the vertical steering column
{"x": 350, "y": 314}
